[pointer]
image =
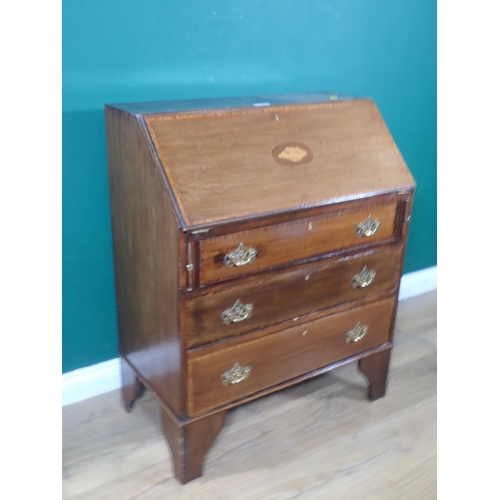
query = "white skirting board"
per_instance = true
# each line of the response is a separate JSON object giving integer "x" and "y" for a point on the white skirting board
{"x": 417, "y": 283}
{"x": 94, "y": 380}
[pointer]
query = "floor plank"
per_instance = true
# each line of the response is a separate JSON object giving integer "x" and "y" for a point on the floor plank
{"x": 321, "y": 439}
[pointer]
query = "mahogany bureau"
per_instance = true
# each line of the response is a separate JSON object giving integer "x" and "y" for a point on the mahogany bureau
{"x": 258, "y": 242}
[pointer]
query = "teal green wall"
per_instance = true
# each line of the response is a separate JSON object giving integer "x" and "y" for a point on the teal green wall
{"x": 141, "y": 50}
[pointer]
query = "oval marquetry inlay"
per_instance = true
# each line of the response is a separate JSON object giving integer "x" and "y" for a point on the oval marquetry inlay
{"x": 291, "y": 153}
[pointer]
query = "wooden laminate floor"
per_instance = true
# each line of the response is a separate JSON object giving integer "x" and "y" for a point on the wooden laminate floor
{"x": 321, "y": 439}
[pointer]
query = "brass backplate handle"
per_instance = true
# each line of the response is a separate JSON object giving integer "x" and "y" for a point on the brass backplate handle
{"x": 241, "y": 256}
{"x": 356, "y": 334}
{"x": 368, "y": 227}
{"x": 363, "y": 279}
{"x": 238, "y": 312}
{"x": 235, "y": 375}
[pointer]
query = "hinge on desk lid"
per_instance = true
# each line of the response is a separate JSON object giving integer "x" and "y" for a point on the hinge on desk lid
{"x": 403, "y": 212}
{"x": 408, "y": 207}
{"x": 190, "y": 265}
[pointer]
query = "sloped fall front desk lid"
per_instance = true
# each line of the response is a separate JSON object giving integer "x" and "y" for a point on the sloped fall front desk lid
{"x": 236, "y": 162}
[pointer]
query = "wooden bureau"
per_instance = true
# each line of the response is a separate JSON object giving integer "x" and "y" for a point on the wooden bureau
{"x": 258, "y": 242}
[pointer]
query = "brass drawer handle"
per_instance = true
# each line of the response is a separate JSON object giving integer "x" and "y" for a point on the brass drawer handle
{"x": 241, "y": 256}
{"x": 368, "y": 227}
{"x": 363, "y": 279}
{"x": 356, "y": 334}
{"x": 238, "y": 312}
{"x": 235, "y": 375}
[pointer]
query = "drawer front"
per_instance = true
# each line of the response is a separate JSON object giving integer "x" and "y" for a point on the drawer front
{"x": 229, "y": 374}
{"x": 261, "y": 303}
{"x": 222, "y": 257}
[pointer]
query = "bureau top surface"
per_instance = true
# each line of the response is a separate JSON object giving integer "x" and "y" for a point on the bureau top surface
{"x": 239, "y": 159}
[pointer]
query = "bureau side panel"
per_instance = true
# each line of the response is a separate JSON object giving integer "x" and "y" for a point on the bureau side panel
{"x": 146, "y": 251}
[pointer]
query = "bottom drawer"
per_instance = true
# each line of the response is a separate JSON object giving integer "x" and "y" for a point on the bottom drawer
{"x": 231, "y": 373}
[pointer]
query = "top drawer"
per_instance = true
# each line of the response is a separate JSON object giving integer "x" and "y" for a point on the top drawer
{"x": 254, "y": 250}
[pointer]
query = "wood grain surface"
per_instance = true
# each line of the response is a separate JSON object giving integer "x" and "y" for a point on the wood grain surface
{"x": 146, "y": 242}
{"x": 220, "y": 163}
{"x": 321, "y": 439}
{"x": 294, "y": 241}
{"x": 290, "y": 294}
{"x": 285, "y": 355}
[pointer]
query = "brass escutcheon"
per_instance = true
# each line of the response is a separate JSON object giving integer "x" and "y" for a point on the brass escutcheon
{"x": 356, "y": 334}
{"x": 238, "y": 312}
{"x": 368, "y": 227}
{"x": 235, "y": 375}
{"x": 363, "y": 279}
{"x": 240, "y": 256}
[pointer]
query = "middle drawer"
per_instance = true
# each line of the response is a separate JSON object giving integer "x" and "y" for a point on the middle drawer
{"x": 309, "y": 288}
